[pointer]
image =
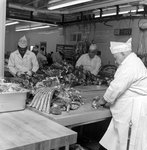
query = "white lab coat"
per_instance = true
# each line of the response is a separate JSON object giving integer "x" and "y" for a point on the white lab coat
{"x": 92, "y": 65}
{"x": 56, "y": 57}
{"x": 128, "y": 95}
{"x": 27, "y": 63}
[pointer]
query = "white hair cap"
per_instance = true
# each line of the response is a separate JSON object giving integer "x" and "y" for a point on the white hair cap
{"x": 118, "y": 47}
{"x": 23, "y": 42}
{"x": 93, "y": 47}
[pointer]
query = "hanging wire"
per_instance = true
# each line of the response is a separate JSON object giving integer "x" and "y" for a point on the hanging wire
{"x": 130, "y": 23}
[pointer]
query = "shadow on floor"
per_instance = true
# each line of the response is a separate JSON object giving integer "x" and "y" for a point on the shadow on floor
{"x": 90, "y": 135}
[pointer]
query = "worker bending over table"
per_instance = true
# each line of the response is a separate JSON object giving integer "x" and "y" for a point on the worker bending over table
{"x": 22, "y": 61}
{"x": 90, "y": 61}
{"x": 127, "y": 96}
{"x": 58, "y": 56}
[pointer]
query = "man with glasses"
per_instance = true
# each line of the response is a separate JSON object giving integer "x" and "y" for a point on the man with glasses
{"x": 90, "y": 61}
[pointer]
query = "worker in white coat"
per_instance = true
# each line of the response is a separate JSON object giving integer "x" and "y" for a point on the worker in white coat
{"x": 58, "y": 56}
{"x": 127, "y": 96}
{"x": 22, "y": 61}
{"x": 90, "y": 61}
{"x": 42, "y": 60}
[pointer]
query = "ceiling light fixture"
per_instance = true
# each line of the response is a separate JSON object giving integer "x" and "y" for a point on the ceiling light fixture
{"x": 131, "y": 9}
{"x": 110, "y": 14}
{"x": 11, "y": 23}
{"x": 122, "y": 10}
{"x": 105, "y": 15}
{"x": 66, "y": 3}
{"x": 29, "y": 21}
{"x": 31, "y": 28}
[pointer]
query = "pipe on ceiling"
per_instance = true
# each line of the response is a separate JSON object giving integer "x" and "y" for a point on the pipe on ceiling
{"x": 36, "y": 10}
{"x": 53, "y": 1}
{"x": 36, "y": 1}
{"x": 97, "y": 20}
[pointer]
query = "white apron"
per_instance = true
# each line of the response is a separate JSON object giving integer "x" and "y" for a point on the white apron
{"x": 128, "y": 95}
{"x": 116, "y": 135}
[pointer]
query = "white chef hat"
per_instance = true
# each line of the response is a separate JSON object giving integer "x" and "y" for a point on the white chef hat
{"x": 23, "y": 42}
{"x": 92, "y": 47}
{"x": 117, "y": 47}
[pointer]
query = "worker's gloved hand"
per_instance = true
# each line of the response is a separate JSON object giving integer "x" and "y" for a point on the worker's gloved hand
{"x": 29, "y": 73}
{"x": 19, "y": 73}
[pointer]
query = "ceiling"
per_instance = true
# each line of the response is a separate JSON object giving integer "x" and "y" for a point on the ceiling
{"x": 37, "y": 11}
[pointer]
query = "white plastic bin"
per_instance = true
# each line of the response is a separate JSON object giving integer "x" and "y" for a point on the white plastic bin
{"x": 13, "y": 101}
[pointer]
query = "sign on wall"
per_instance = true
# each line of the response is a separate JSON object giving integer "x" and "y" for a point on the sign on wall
{"x": 124, "y": 31}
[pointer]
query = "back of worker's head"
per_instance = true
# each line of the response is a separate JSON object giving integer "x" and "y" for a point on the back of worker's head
{"x": 121, "y": 50}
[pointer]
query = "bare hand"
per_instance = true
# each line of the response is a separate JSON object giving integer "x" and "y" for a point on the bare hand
{"x": 99, "y": 103}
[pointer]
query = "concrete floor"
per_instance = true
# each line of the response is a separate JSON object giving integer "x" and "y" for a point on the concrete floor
{"x": 90, "y": 135}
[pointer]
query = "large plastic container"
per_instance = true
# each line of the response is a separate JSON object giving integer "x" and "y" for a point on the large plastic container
{"x": 13, "y": 101}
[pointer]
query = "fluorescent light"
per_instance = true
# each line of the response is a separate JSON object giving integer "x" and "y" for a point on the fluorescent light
{"x": 31, "y": 28}
{"x": 105, "y": 15}
{"x": 25, "y": 29}
{"x": 124, "y": 12}
{"x": 65, "y": 4}
{"x": 11, "y": 23}
{"x": 97, "y": 16}
{"x": 41, "y": 27}
{"x": 131, "y": 9}
{"x": 110, "y": 14}
{"x": 29, "y": 21}
{"x": 141, "y": 9}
